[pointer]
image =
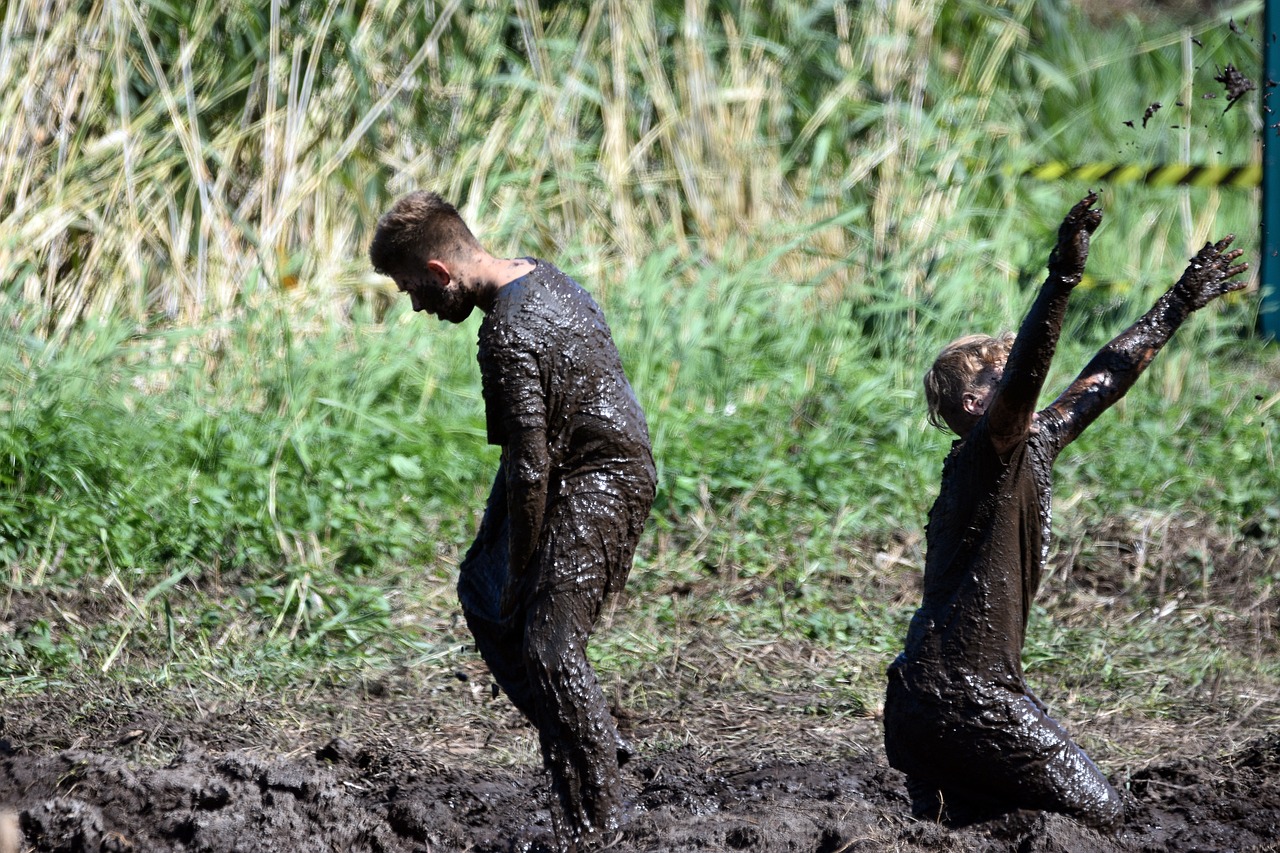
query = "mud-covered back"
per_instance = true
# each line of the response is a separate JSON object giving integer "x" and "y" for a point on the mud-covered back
{"x": 987, "y": 539}
{"x": 548, "y": 361}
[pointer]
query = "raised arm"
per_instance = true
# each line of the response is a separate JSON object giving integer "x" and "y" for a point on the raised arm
{"x": 1117, "y": 365}
{"x": 1014, "y": 402}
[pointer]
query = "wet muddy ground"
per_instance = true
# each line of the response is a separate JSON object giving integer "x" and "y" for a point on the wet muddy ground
{"x": 379, "y": 770}
{"x": 380, "y": 796}
{"x": 744, "y": 742}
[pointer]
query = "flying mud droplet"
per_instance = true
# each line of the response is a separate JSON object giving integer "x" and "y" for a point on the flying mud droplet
{"x": 1235, "y": 83}
{"x": 1152, "y": 109}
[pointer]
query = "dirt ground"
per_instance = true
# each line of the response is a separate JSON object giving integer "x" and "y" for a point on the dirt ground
{"x": 742, "y": 742}
{"x": 379, "y": 795}
{"x": 443, "y": 765}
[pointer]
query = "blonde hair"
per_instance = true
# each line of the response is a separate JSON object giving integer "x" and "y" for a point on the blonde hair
{"x": 419, "y": 227}
{"x": 955, "y": 370}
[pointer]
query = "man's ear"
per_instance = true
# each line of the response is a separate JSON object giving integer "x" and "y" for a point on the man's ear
{"x": 440, "y": 271}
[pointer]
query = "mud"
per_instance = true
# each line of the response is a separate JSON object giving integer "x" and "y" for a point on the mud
{"x": 740, "y": 745}
{"x": 1235, "y": 83}
{"x": 380, "y": 797}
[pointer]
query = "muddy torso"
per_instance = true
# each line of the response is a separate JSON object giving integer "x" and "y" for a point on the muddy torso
{"x": 988, "y": 536}
{"x": 548, "y": 360}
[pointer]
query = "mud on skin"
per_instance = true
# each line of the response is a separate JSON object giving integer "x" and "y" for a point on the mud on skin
{"x": 567, "y": 507}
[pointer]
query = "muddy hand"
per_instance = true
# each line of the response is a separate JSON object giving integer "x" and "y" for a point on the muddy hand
{"x": 1207, "y": 276}
{"x": 1069, "y": 256}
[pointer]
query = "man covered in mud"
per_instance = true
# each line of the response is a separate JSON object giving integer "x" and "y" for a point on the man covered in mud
{"x": 959, "y": 720}
{"x": 572, "y": 492}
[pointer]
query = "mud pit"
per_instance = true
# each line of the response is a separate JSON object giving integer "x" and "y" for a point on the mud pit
{"x": 744, "y": 742}
{"x": 380, "y": 798}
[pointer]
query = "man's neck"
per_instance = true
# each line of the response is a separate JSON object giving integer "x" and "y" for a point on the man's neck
{"x": 489, "y": 275}
{"x": 507, "y": 270}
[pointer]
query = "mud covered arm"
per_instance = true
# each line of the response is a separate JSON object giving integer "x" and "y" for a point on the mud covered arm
{"x": 495, "y": 510}
{"x": 516, "y": 408}
{"x": 527, "y": 470}
{"x": 1112, "y": 372}
{"x": 1014, "y": 403}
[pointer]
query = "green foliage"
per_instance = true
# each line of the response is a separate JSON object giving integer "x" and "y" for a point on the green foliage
{"x": 36, "y": 647}
{"x": 297, "y": 465}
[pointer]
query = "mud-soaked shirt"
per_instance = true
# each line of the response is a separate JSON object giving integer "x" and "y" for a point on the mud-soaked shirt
{"x": 548, "y": 363}
{"x": 987, "y": 541}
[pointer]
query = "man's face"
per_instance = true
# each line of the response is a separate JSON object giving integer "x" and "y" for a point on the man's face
{"x": 435, "y": 292}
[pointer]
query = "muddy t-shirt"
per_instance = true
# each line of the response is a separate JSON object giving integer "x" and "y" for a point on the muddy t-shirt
{"x": 548, "y": 362}
{"x": 988, "y": 537}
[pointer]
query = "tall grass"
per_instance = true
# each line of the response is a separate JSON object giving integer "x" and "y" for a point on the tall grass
{"x": 157, "y": 156}
{"x": 786, "y": 209}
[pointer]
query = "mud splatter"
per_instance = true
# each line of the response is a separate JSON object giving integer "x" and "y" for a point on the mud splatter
{"x": 1235, "y": 83}
{"x": 1152, "y": 109}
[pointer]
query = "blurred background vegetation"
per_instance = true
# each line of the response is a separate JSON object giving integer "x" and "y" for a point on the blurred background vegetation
{"x": 218, "y": 423}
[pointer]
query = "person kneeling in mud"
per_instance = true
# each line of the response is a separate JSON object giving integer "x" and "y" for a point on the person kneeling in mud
{"x": 571, "y": 496}
{"x": 959, "y": 720}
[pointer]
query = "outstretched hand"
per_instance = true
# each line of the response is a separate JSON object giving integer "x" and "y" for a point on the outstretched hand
{"x": 1068, "y": 257}
{"x": 1207, "y": 275}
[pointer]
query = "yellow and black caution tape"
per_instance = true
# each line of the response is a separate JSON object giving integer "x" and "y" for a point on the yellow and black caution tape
{"x": 1167, "y": 175}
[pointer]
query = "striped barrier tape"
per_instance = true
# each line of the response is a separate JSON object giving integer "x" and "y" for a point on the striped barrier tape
{"x": 1243, "y": 177}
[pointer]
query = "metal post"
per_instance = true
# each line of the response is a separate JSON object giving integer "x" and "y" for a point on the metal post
{"x": 1269, "y": 273}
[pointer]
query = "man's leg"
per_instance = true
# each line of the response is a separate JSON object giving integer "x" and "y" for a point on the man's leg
{"x": 1022, "y": 758}
{"x": 585, "y": 540}
{"x": 1045, "y": 769}
{"x": 972, "y": 759}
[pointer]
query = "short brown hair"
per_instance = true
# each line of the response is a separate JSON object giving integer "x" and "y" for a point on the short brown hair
{"x": 420, "y": 227}
{"x": 955, "y": 369}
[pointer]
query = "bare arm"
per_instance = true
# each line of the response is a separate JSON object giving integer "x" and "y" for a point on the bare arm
{"x": 1118, "y": 365}
{"x": 1014, "y": 403}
